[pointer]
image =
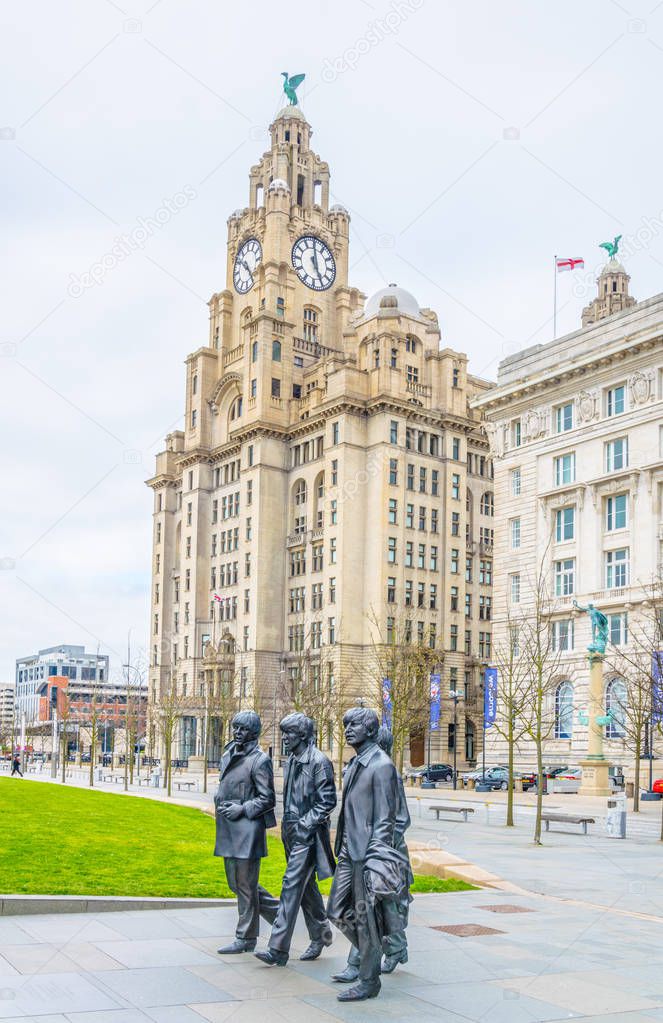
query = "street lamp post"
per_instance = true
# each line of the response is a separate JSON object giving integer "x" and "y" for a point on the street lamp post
{"x": 455, "y": 696}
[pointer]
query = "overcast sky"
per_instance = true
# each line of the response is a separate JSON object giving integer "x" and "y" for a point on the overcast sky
{"x": 470, "y": 140}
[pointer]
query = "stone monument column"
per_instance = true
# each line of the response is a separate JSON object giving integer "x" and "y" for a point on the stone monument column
{"x": 595, "y": 768}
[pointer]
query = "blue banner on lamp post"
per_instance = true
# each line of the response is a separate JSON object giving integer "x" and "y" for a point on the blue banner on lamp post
{"x": 489, "y": 697}
{"x": 657, "y": 687}
{"x": 435, "y": 700}
{"x": 387, "y": 705}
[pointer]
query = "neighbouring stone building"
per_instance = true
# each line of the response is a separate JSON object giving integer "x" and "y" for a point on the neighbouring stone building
{"x": 576, "y": 432}
{"x": 330, "y": 470}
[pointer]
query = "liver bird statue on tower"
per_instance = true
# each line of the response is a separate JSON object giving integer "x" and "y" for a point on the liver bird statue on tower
{"x": 290, "y": 85}
{"x": 611, "y": 247}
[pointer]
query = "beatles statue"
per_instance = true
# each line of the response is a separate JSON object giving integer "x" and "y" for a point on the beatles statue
{"x": 370, "y": 893}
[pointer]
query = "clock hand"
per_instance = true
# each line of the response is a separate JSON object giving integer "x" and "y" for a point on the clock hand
{"x": 315, "y": 261}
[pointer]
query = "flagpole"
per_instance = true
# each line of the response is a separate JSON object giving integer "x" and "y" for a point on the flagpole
{"x": 555, "y": 298}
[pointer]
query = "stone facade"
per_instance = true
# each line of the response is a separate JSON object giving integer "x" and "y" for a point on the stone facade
{"x": 330, "y": 465}
{"x": 575, "y": 431}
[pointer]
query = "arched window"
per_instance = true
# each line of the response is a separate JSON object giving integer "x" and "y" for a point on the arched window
{"x": 235, "y": 409}
{"x": 411, "y": 344}
{"x": 301, "y": 493}
{"x": 564, "y": 710}
{"x": 487, "y": 504}
{"x": 276, "y": 351}
{"x": 615, "y": 706}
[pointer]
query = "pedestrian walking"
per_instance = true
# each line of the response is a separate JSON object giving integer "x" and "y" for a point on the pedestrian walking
{"x": 16, "y": 767}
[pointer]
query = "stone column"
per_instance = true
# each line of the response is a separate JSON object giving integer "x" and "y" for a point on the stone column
{"x": 595, "y": 768}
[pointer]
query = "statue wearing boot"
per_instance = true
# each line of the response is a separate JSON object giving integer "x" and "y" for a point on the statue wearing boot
{"x": 309, "y": 796}
{"x": 244, "y": 803}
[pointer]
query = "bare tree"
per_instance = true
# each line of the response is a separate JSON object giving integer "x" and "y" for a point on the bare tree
{"x": 512, "y": 717}
{"x": 169, "y": 712}
{"x": 633, "y": 712}
{"x": 406, "y": 662}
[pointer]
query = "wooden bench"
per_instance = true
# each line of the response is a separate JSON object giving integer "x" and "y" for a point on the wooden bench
{"x": 566, "y": 818}
{"x": 186, "y": 784}
{"x": 439, "y": 808}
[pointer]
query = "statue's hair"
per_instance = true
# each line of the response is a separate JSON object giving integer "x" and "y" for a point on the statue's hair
{"x": 366, "y": 716}
{"x": 385, "y": 739}
{"x": 298, "y": 723}
{"x": 249, "y": 719}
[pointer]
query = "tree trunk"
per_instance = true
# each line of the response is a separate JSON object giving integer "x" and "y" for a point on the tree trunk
{"x": 509, "y": 795}
{"x": 63, "y": 754}
{"x": 93, "y": 747}
{"x": 636, "y": 779}
{"x": 539, "y": 772}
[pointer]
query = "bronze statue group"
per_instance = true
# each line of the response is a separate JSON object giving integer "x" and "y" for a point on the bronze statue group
{"x": 370, "y": 893}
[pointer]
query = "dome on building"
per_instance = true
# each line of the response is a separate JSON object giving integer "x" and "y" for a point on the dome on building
{"x": 278, "y": 183}
{"x": 613, "y": 266}
{"x": 290, "y": 111}
{"x": 337, "y": 208}
{"x": 392, "y": 297}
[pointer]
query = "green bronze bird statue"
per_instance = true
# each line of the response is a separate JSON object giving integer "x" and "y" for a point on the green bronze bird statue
{"x": 290, "y": 85}
{"x": 611, "y": 247}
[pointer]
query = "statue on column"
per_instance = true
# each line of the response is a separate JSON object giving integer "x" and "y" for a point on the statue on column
{"x": 244, "y": 803}
{"x": 309, "y": 796}
{"x": 599, "y": 628}
{"x": 394, "y": 945}
{"x": 372, "y": 874}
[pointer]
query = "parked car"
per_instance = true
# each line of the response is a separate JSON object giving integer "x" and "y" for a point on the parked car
{"x": 570, "y": 778}
{"x": 658, "y": 785}
{"x": 434, "y": 772}
{"x": 496, "y": 777}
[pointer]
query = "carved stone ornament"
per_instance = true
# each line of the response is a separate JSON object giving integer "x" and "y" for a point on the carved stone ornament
{"x": 586, "y": 402}
{"x": 639, "y": 388}
{"x": 495, "y": 434}
{"x": 535, "y": 423}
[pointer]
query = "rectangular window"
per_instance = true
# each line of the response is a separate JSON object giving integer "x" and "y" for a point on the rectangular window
{"x": 421, "y": 594}
{"x": 393, "y": 431}
{"x": 468, "y": 569}
{"x": 515, "y": 433}
{"x": 332, "y": 551}
{"x": 391, "y": 630}
{"x": 455, "y": 486}
{"x": 391, "y": 589}
{"x": 454, "y": 556}
{"x": 422, "y": 518}
{"x": 332, "y": 590}
{"x": 565, "y": 469}
{"x": 391, "y": 550}
{"x": 421, "y": 556}
{"x": 455, "y": 523}
{"x": 433, "y": 520}
{"x": 393, "y": 471}
{"x": 562, "y": 634}
{"x": 422, "y": 480}
{"x": 617, "y": 568}
{"x": 410, "y": 477}
{"x": 318, "y": 557}
{"x": 616, "y": 511}
{"x": 409, "y": 554}
{"x": 565, "y": 524}
{"x": 194, "y": 418}
{"x": 331, "y": 631}
{"x": 254, "y": 388}
{"x": 433, "y": 559}
{"x": 514, "y": 588}
{"x": 616, "y": 454}
{"x": 408, "y": 593}
{"x": 276, "y": 387}
{"x": 515, "y": 533}
{"x": 435, "y": 482}
{"x": 334, "y": 472}
{"x": 485, "y": 572}
{"x": 333, "y": 512}
{"x": 412, "y": 374}
{"x": 615, "y": 401}
{"x": 433, "y": 597}
{"x": 565, "y": 577}
{"x": 393, "y": 509}
{"x": 564, "y": 418}
{"x": 455, "y": 448}
{"x": 515, "y": 483}
{"x": 335, "y": 433}
{"x": 453, "y": 638}
{"x": 468, "y": 605}
{"x": 618, "y": 626}
{"x": 409, "y": 516}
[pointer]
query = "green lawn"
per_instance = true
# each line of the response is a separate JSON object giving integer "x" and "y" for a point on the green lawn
{"x": 69, "y": 841}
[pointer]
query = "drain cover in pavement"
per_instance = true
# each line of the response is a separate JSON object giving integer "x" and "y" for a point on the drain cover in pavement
{"x": 506, "y": 907}
{"x": 467, "y": 930}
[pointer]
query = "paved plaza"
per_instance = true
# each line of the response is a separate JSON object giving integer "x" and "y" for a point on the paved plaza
{"x": 573, "y": 930}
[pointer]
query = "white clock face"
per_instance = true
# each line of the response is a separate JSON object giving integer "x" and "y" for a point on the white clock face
{"x": 313, "y": 263}
{"x": 247, "y": 261}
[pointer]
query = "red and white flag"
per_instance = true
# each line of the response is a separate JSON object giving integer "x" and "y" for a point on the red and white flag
{"x": 572, "y": 263}
{"x": 217, "y": 597}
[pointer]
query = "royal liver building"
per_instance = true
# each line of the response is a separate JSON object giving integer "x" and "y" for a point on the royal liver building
{"x": 331, "y": 491}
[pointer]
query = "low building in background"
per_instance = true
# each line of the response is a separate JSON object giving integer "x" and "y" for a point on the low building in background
{"x": 64, "y": 661}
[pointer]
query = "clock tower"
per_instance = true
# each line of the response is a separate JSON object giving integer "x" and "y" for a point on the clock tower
{"x": 302, "y": 506}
